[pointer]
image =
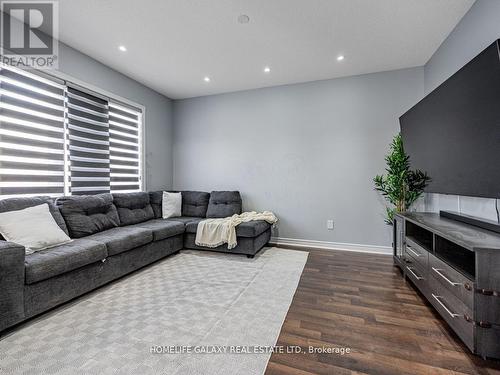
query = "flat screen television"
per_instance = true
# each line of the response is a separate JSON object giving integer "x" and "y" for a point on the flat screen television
{"x": 453, "y": 134}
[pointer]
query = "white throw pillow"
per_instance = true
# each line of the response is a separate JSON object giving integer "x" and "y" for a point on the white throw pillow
{"x": 171, "y": 205}
{"x": 34, "y": 228}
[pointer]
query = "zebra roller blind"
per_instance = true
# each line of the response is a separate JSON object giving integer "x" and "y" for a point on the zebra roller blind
{"x": 56, "y": 138}
{"x": 32, "y": 154}
{"x": 88, "y": 133}
{"x": 125, "y": 148}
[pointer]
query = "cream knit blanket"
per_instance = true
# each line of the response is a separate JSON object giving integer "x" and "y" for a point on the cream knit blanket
{"x": 215, "y": 232}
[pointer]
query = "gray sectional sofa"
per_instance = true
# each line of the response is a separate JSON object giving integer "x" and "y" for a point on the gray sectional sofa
{"x": 113, "y": 235}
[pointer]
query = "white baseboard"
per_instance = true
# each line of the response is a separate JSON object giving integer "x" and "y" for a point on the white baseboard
{"x": 331, "y": 245}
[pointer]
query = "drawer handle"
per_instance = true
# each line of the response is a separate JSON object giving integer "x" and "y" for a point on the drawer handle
{"x": 414, "y": 274}
{"x": 481, "y": 324}
{"x": 410, "y": 249}
{"x": 438, "y": 299}
{"x": 439, "y": 272}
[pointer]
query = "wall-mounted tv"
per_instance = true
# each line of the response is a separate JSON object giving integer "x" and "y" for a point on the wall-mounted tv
{"x": 454, "y": 132}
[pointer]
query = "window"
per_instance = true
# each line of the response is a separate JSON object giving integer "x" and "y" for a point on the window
{"x": 31, "y": 134}
{"x": 88, "y": 135}
{"x": 125, "y": 125}
{"x": 58, "y": 138}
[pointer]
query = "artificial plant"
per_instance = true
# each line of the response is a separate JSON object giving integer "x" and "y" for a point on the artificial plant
{"x": 401, "y": 186}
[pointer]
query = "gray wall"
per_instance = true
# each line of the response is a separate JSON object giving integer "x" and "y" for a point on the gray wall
{"x": 307, "y": 151}
{"x": 478, "y": 29}
{"x": 158, "y": 124}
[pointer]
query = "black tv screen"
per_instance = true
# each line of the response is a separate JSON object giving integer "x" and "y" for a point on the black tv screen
{"x": 453, "y": 134}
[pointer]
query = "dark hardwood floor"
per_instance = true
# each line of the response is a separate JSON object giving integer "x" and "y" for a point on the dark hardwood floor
{"x": 360, "y": 301}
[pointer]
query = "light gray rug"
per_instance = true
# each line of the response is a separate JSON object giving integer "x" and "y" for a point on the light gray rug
{"x": 193, "y": 298}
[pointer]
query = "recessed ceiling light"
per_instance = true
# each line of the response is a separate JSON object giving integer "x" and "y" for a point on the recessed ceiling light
{"x": 267, "y": 69}
{"x": 340, "y": 58}
{"x": 122, "y": 48}
{"x": 206, "y": 79}
{"x": 243, "y": 18}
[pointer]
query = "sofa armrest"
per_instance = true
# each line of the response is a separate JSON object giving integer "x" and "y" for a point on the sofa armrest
{"x": 11, "y": 284}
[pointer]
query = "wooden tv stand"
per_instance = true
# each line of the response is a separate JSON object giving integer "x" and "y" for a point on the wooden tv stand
{"x": 456, "y": 266}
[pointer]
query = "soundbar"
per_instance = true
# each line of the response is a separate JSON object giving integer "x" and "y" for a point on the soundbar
{"x": 471, "y": 220}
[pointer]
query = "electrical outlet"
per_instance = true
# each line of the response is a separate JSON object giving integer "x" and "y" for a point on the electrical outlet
{"x": 329, "y": 224}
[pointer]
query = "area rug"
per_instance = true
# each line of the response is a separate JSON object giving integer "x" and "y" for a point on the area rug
{"x": 193, "y": 313}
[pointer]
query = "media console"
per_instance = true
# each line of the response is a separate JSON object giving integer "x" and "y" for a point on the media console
{"x": 456, "y": 266}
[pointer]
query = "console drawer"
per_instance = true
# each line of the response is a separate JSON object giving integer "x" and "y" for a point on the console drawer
{"x": 417, "y": 275}
{"x": 453, "y": 311}
{"x": 452, "y": 280}
{"x": 488, "y": 341}
{"x": 417, "y": 253}
{"x": 488, "y": 309}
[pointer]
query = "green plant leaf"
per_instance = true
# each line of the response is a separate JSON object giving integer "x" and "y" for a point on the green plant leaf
{"x": 400, "y": 186}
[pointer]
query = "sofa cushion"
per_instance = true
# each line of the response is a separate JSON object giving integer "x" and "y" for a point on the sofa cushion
{"x": 133, "y": 208}
{"x": 121, "y": 239}
{"x": 185, "y": 219}
{"x": 192, "y": 226}
{"x": 249, "y": 229}
{"x": 252, "y": 228}
{"x": 15, "y": 204}
{"x": 88, "y": 214}
{"x": 57, "y": 260}
{"x": 195, "y": 203}
{"x": 155, "y": 199}
{"x": 161, "y": 228}
{"x": 224, "y": 204}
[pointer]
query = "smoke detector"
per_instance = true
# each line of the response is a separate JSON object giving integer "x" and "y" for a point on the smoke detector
{"x": 243, "y": 18}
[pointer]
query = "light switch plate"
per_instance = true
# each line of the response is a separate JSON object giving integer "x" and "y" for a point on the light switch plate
{"x": 329, "y": 224}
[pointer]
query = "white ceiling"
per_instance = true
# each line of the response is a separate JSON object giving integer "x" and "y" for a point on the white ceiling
{"x": 173, "y": 44}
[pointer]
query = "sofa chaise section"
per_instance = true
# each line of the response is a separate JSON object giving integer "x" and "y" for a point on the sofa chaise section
{"x": 198, "y": 206}
{"x": 248, "y": 246}
{"x": 251, "y": 236}
{"x": 245, "y": 230}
